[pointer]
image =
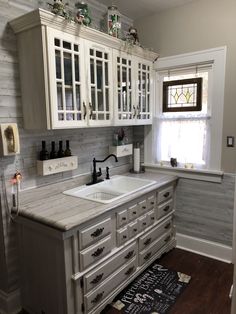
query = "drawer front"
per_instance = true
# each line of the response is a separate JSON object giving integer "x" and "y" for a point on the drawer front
{"x": 133, "y": 229}
{"x": 154, "y": 234}
{"x": 143, "y": 207}
{"x": 97, "y": 276}
{"x": 151, "y": 202}
{"x": 146, "y": 254}
{"x": 164, "y": 209}
{"x": 133, "y": 212}
{"x": 122, "y": 218}
{"x": 94, "y": 233}
{"x": 94, "y": 253}
{"x": 122, "y": 236}
{"x": 150, "y": 217}
{"x": 165, "y": 194}
{"x": 142, "y": 222}
{"x": 94, "y": 298}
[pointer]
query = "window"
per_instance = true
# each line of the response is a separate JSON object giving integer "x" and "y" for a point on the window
{"x": 184, "y": 117}
{"x": 183, "y": 128}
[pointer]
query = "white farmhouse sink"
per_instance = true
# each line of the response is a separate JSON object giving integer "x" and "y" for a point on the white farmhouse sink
{"x": 110, "y": 190}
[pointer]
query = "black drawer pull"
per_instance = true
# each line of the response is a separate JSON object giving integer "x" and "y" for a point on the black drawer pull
{"x": 97, "y": 279}
{"x": 97, "y": 298}
{"x": 148, "y": 241}
{"x": 152, "y": 218}
{"x": 167, "y": 226}
{"x": 143, "y": 207}
{"x": 152, "y": 203}
{"x": 129, "y": 255}
{"x": 135, "y": 230}
{"x": 167, "y": 194}
{"x": 130, "y": 271}
{"x": 144, "y": 223}
{"x": 123, "y": 218}
{"x": 124, "y": 236}
{"x": 97, "y": 232}
{"x": 134, "y": 213}
{"x": 167, "y": 239}
{"x": 147, "y": 256}
{"x": 166, "y": 208}
{"x": 98, "y": 252}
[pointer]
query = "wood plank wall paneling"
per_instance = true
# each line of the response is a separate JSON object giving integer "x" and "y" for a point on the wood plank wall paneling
{"x": 203, "y": 209}
{"x": 85, "y": 143}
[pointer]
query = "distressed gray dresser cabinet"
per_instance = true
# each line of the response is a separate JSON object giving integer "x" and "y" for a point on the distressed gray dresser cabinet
{"x": 82, "y": 268}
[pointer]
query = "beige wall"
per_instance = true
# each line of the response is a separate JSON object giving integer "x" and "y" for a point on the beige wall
{"x": 199, "y": 25}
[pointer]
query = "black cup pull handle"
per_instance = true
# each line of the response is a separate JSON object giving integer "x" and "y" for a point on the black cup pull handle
{"x": 97, "y": 279}
{"x": 148, "y": 241}
{"x": 166, "y": 208}
{"x": 97, "y": 298}
{"x": 97, "y": 232}
{"x": 129, "y": 255}
{"x": 167, "y": 238}
{"x": 98, "y": 252}
{"x": 129, "y": 271}
{"x": 167, "y": 226}
{"x": 166, "y": 194}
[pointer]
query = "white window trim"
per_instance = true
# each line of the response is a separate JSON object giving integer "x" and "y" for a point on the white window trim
{"x": 216, "y": 56}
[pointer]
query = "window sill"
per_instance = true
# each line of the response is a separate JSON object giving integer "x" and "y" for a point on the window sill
{"x": 195, "y": 174}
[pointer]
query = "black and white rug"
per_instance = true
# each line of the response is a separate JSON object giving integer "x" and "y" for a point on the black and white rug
{"x": 152, "y": 292}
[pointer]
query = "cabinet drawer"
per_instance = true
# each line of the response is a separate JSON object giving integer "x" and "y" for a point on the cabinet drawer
{"x": 142, "y": 222}
{"x": 154, "y": 234}
{"x": 122, "y": 236}
{"x": 165, "y": 194}
{"x": 122, "y": 218}
{"x": 146, "y": 254}
{"x": 142, "y": 207}
{"x": 94, "y": 253}
{"x": 94, "y": 233}
{"x": 151, "y": 201}
{"x": 133, "y": 212}
{"x": 164, "y": 209}
{"x": 150, "y": 217}
{"x": 97, "y": 276}
{"x": 94, "y": 298}
{"x": 133, "y": 229}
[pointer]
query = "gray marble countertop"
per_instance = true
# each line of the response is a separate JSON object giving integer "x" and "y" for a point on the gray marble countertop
{"x": 50, "y": 206}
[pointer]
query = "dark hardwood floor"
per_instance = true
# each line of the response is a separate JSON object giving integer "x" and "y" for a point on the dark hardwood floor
{"x": 208, "y": 291}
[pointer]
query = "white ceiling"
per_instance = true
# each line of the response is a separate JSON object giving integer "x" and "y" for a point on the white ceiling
{"x": 139, "y": 8}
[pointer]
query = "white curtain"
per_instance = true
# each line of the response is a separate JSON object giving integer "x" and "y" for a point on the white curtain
{"x": 185, "y": 139}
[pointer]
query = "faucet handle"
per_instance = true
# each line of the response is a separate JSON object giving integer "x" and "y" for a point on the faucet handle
{"x": 99, "y": 173}
{"x": 107, "y": 173}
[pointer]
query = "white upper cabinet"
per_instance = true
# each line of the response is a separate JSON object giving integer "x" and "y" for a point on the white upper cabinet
{"x": 74, "y": 76}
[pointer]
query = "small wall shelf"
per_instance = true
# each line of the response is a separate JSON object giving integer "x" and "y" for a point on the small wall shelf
{"x": 51, "y": 166}
{"x": 122, "y": 150}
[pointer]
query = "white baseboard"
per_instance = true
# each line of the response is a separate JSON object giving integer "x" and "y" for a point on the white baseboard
{"x": 203, "y": 247}
{"x": 10, "y": 302}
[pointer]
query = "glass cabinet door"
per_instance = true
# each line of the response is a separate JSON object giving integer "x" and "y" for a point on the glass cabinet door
{"x": 144, "y": 91}
{"x": 125, "y": 110}
{"x": 99, "y": 84}
{"x": 66, "y": 80}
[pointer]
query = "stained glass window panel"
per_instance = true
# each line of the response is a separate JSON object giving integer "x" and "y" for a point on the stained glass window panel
{"x": 182, "y": 95}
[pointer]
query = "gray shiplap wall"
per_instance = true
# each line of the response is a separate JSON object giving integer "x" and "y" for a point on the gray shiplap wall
{"x": 85, "y": 143}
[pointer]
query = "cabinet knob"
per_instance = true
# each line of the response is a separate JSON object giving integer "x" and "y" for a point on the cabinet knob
{"x": 135, "y": 229}
{"x": 167, "y": 226}
{"x": 124, "y": 237}
{"x": 167, "y": 239}
{"x": 134, "y": 213}
{"x": 98, "y": 252}
{"x": 152, "y": 203}
{"x": 123, "y": 218}
{"x": 144, "y": 223}
{"x": 143, "y": 207}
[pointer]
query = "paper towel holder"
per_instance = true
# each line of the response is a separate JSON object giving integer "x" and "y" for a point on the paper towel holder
{"x": 137, "y": 168}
